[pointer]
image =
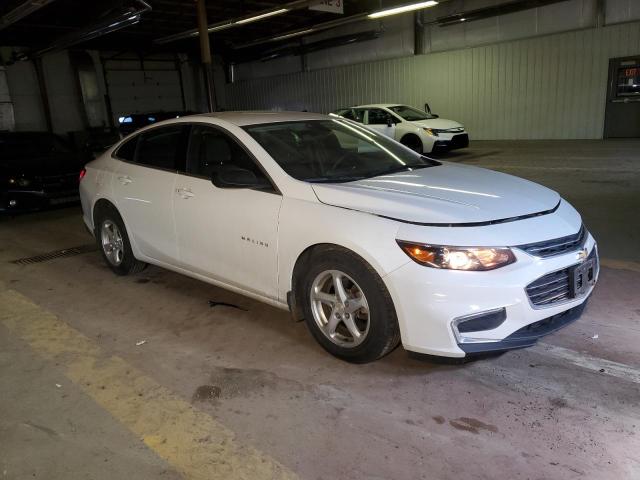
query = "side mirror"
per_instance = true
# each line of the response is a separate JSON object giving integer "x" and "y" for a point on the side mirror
{"x": 235, "y": 177}
{"x": 427, "y": 109}
{"x": 390, "y": 122}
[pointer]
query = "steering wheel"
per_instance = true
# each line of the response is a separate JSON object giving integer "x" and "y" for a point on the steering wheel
{"x": 341, "y": 159}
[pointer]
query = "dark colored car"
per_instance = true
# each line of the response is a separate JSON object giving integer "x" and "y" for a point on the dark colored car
{"x": 37, "y": 170}
{"x": 134, "y": 121}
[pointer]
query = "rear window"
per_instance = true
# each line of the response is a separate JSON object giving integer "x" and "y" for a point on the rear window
{"x": 127, "y": 150}
{"x": 162, "y": 147}
{"x": 159, "y": 147}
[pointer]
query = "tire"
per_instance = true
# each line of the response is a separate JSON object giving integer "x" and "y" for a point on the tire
{"x": 110, "y": 231}
{"x": 413, "y": 142}
{"x": 378, "y": 328}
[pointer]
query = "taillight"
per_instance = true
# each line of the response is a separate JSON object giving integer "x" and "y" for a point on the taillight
{"x": 83, "y": 172}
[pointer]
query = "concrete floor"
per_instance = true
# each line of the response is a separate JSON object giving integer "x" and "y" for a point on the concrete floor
{"x": 227, "y": 393}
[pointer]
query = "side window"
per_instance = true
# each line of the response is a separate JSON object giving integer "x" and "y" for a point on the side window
{"x": 127, "y": 151}
{"x": 347, "y": 114}
{"x": 358, "y": 115}
{"x": 211, "y": 149}
{"x": 161, "y": 147}
{"x": 377, "y": 116}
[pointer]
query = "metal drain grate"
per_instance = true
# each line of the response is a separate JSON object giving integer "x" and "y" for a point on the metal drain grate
{"x": 65, "y": 252}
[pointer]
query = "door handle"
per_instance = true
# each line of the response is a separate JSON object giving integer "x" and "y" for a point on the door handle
{"x": 184, "y": 192}
{"x": 125, "y": 179}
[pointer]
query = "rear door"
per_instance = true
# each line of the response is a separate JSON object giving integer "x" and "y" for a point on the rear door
{"x": 144, "y": 184}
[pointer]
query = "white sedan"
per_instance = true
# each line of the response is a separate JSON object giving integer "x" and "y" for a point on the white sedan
{"x": 368, "y": 241}
{"x": 421, "y": 131}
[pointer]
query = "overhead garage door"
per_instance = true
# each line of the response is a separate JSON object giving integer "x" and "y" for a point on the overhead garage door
{"x": 136, "y": 86}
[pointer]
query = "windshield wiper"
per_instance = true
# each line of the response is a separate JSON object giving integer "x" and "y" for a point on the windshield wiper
{"x": 333, "y": 179}
{"x": 403, "y": 168}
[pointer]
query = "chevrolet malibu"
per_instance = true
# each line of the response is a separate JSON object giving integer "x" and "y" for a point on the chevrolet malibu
{"x": 368, "y": 241}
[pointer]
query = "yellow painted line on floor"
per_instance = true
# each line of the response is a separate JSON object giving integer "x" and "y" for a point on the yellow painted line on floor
{"x": 190, "y": 440}
{"x": 620, "y": 264}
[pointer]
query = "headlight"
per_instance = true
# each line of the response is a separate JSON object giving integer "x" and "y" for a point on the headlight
{"x": 20, "y": 182}
{"x": 458, "y": 258}
{"x": 431, "y": 131}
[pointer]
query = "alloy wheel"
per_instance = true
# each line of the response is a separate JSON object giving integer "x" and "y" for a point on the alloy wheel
{"x": 340, "y": 308}
{"x": 112, "y": 244}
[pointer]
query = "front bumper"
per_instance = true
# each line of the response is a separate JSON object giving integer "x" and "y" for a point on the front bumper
{"x": 23, "y": 201}
{"x": 459, "y": 140}
{"x": 428, "y": 301}
{"x": 527, "y": 335}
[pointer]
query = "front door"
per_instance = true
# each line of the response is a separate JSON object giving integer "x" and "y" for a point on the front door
{"x": 622, "y": 115}
{"x": 379, "y": 120}
{"x": 227, "y": 234}
{"x": 143, "y": 188}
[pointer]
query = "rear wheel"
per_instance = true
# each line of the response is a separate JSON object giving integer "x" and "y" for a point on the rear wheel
{"x": 113, "y": 242}
{"x": 348, "y": 308}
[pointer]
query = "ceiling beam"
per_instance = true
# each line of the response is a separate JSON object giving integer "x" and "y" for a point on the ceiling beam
{"x": 236, "y": 22}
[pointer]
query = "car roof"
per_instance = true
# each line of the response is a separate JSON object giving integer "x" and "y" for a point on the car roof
{"x": 378, "y": 105}
{"x": 253, "y": 118}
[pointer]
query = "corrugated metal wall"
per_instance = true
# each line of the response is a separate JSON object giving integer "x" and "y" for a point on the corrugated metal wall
{"x": 544, "y": 87}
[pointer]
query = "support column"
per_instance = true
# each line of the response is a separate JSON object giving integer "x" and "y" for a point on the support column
{"x": 44, "y": 95}
{"x": 205, "y": 55}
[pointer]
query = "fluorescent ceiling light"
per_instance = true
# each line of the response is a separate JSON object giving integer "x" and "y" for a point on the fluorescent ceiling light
{"x": 219, "y": 27}
{"x": 402, "y": 9}
{"x": 260, "y": 17}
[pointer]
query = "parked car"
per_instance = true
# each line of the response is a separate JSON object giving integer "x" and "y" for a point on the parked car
{"x": 421, "y": 131}
{"x": 37, "y": 170}
{"x": 367, "y": 240}
{"x": 134, "y": 121}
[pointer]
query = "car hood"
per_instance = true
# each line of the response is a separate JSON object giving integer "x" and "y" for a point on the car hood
{"x": 439, "y": 123}
{"x": 443, "y": 194}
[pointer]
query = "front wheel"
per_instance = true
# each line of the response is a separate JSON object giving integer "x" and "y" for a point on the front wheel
{"x": 347, "y": 307}
{"x": 413, "y": 142}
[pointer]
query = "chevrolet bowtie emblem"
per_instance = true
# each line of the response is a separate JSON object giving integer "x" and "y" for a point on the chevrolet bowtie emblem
{"x": 582, "y": 254}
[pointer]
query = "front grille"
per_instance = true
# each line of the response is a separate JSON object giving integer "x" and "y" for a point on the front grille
{"x": 554, "y": 287}
{"x": 449, "y": 130}
{"x": 460, "y": 141}
{"x": 557, "y": 246}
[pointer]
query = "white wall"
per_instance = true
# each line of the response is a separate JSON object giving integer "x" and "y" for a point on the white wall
{"x": 617, "y": 11}
{"x": 26, "y": 98}
{"x": 552, "y": 86}
{"x": 157, "y": 87}
{"x": 65, "y": 100}
{"x": 554, "y": 18}
{"x": 395, "y": 41}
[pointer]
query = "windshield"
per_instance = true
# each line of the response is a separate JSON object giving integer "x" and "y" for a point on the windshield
{"x": 30, "y": 145}
{"x": 411, "y": 114}
{"x": 334, "y": 150}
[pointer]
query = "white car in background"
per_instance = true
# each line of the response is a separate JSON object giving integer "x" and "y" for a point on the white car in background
{"x": 368, "y": 241}
{"x": 423, "y": 132}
